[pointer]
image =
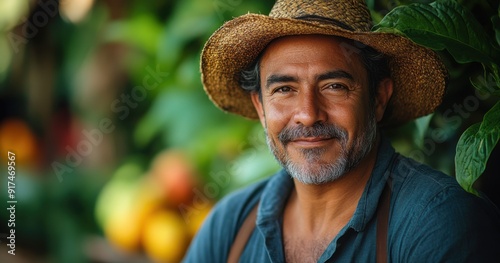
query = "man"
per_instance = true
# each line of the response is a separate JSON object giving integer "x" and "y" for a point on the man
{"x": 323, "y": 86}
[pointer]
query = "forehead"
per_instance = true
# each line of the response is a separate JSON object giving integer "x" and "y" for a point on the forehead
{"x": 315, "y": 49}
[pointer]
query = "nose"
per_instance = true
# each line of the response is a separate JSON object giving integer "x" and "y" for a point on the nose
{"x": 309, "y": 109}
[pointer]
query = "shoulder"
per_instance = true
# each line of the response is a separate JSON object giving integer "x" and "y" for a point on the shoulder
{"x": 241, "y": 201}
{"x": 416, "y": 180}
{"x": 434, "y": 219}
{"x": 422, "y": 188}
{"x": 214, "y": 239}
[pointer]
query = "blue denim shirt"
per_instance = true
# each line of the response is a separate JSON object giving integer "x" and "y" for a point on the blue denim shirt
{"x": 432, "y": 219}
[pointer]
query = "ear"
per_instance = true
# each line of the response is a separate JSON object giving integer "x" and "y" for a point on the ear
{"x": 384, "y": 93}
{"x": 257, "y": 103}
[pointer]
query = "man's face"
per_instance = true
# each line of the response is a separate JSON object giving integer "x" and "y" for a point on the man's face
{"x": 315, "y": 106}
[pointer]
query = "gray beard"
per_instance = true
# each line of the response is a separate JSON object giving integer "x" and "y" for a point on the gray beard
{"x": 316, "y": 173}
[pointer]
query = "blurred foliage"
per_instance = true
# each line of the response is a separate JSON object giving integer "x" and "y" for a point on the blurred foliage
{"x": 103, "y": 105}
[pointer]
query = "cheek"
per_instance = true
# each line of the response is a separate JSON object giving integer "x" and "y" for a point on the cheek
{"x": 275, "y": 118}
{"x": 350, "y": 117}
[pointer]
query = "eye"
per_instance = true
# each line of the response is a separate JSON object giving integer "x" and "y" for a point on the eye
{"x": 283, "y": 89}
{"x": 336, "y": 91}
{"x": 337, "y": 87}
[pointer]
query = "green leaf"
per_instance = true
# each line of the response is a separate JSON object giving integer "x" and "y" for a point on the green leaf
{"x": 177, "y": 114}
{"x": 496, "y": 26}
{"x": 190, "y": 20}
{"x": 474, "y": 148}
{"x": 141, "y": 31}
{"x": 443, "y": 24}
{"x": 489, "y": 82}
{"x": 422, "y": 125}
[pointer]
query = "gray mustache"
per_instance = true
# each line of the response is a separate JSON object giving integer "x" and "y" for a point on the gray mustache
{"x": 319, "y": 129}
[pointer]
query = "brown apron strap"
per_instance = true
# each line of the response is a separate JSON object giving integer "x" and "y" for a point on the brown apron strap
{"x": 382, "y": 223}
{"x": 242, "y": 236}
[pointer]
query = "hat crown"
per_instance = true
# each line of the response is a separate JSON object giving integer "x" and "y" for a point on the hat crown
{"x": 352, "y": 15}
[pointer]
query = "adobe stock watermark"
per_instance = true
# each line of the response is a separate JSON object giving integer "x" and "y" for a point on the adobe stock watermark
{"x": 30, "y": 28}
{"x": 455, "y": 116}
{"x": 122, "y": 106}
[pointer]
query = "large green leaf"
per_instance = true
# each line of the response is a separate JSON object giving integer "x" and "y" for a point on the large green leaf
{"x": 475, "y": 146}
{"x": 443, "y": 24}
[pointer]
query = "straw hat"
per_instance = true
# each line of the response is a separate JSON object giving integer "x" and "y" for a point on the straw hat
{"x": 418, "y": 74}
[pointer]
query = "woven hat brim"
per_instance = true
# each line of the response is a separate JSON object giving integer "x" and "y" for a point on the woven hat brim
{"x": 419, "y": 75}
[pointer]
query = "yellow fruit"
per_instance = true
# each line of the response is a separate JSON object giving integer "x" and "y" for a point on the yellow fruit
{"x": 125, "y": 222}
{"x": 123, "y": 229}
{"x": 165, "y": 237}
{"x": 196, "y": 217}
{"x": 117, "y": 190}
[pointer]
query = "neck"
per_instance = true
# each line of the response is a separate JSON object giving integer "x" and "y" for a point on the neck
{"x": 327, "y": 208}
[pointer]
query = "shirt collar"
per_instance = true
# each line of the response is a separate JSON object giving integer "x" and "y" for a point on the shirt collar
{"x": 368, "y": 203}
{"x": 274, "y": 197}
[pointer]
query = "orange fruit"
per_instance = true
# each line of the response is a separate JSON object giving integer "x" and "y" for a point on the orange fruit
{"x": 172, "y": 170}
{"x": 17, "y": 137}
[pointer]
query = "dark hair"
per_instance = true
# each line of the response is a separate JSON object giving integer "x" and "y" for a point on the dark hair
{"x": 375, "y": 64}
{"x": 250, "y": 77}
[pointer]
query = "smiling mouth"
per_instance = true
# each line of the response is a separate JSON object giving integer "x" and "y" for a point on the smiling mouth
{"x": 312, "y": 141}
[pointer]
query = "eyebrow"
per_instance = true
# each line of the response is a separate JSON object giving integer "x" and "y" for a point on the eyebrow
{"x": 336, "y": 74}
{"x": 273, "y": 79}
